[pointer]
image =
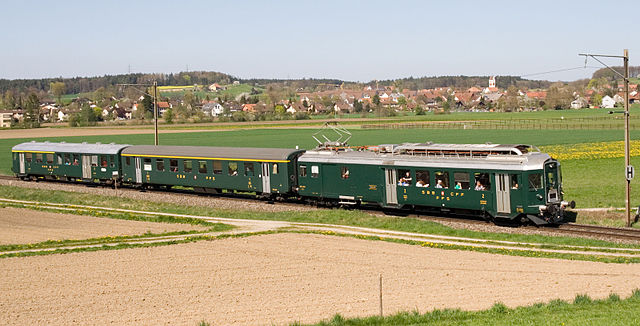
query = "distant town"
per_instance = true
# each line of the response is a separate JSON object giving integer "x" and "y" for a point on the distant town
{"x": 26, "y": 104}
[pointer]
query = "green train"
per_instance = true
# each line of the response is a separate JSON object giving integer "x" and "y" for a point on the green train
{"x": 502, "y": 183}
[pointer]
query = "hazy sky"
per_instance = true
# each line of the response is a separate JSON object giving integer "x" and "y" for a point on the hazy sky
{"x": 350, "y": 40}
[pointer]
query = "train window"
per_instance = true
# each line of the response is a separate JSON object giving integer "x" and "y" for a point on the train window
{"x": 422, "y": 178}
{"x": 38, "y": 157}
{"x": 27, "y": 156}
{"x": 303, "y": 171}
{"x": 514, "y": 181}
{"x": 233, "y": 168}
{"x": 217, "y": 167}
{"x": 173, "y": 165}
{"x": 67, "y": 159}
{"x": 127, "y": 160}
{"x": 202, "y": 166}
{"x": 461, "y": 179}
{"x": 103, "y": 161}
{"x": 160, "y": 164}
{"x": 248, "y": 169}
{"x": 404, "y": 178}
{"x": 112, "y": 162}
{"x": 76, "y": 159}
{"x": 59, "y": 157}
{"x": 94, "y": 160}
{"x": 188, "y": 166}
{"x": 344, "y": 172}
{"x": 315, "y": 171}
{"x": 49, "y": 158}
{"x": 482, "y": 181}
{"x": 274, "y": 170}
{"x": 442, "y": 179}
{"x": 147, "y": 165}
{"x": 535, "y": 181}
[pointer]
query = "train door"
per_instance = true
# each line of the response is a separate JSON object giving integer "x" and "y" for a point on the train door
{"x": 138, "y": 170}
{"x": 503, "y": 200}
{"x": 21, "y": 158}
{"x": 266, "y": 179}
{"x": 390, "y": 186}
{"x": 86, "y": 166}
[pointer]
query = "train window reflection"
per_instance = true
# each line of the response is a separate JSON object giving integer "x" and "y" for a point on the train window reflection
{"x": 535, "y": 181}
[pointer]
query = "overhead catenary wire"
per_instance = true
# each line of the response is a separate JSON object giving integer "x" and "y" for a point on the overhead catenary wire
{"x": 558, "y": 70}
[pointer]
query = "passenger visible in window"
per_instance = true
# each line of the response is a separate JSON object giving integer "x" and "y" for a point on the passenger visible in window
{"x": 479, "y": 186}
{"x": 275, "y": 168}
{"x": 75, "y": 161}
{"x": 422, "y": 177}
{"x": 458, "y": 185}
{"x": 439, "y": 184}
{"x": 407, "y": 178}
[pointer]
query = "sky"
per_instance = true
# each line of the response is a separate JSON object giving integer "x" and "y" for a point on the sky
{"x": 348, "y": 40}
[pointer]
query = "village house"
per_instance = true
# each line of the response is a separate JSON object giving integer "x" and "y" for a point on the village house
{"x": 5, "y": 118}
{"x": 212, "y": 109}
{"x": 608, "y": 102}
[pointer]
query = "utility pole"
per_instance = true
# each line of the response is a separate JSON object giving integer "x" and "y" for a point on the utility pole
{"x": 155, "y": 103}
{"x": 155, "y": 109}
{"x": 627, "y": 146}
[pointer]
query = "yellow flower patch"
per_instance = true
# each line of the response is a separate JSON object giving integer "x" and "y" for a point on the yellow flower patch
{"x": 591, "y": 151}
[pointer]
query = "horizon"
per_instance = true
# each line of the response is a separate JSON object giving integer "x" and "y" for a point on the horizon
{"x": 353, "y": 41}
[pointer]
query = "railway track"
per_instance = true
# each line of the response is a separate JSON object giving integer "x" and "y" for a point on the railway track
{"x": 601, "y": 232}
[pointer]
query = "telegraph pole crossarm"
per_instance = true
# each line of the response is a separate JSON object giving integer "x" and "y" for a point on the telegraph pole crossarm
{"x": 627, "y": 146}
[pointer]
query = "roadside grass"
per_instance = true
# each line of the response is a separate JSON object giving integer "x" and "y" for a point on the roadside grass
{"x": 118, "y": 246}
{"x": 210, "y": 227}
{"x": 325, "y": 216}
{"x": 582, "y": 311}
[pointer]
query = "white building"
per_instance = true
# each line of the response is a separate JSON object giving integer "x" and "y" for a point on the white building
{"x": 608, "y": 102}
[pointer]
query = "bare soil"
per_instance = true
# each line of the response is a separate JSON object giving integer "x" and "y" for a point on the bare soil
{"x": 20, "y": 226}
{"x": 282, "y": 278}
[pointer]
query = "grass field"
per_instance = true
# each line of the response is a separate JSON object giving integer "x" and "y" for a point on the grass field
{"x": 582, "y": 311}
{"x": 232, "y": 91}
{"x": 592, "y": 183}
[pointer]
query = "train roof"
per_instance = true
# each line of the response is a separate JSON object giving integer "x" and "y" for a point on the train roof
{"x": 213, "y": 153}
{"x": 80, "y": 148}
{"x": 467, "y": 156}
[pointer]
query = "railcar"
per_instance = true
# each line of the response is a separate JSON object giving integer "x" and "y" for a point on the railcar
{"x": 266, "y": 171}
{"x": 503, "y": 183}
{"x": 92, "y": 163}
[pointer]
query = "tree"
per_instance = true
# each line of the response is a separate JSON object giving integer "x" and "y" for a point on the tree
{"x": 168, "y": 116}
{"x": 57, "y": 89}
{"x": 376, "y": 99}
{"x": 31, "y": 117}
{"x": 147, "y": 104}
{"x": 596, "y": 99}
{"x": 357, "y": 106}
{"x": 511, "y": 102}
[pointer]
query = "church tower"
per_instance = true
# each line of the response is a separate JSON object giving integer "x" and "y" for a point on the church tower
{"x": 492, "y": 82}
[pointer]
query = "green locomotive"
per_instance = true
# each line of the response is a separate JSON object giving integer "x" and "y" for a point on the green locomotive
{"x": 497, "y": 182}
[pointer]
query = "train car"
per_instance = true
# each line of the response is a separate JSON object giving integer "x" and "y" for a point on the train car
{"x": 266, "y": 171}
{"x": 95, "y": 163}
{"x": 499, "y": 182}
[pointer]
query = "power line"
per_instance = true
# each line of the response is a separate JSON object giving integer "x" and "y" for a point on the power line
{"x": 558, "y": 70}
